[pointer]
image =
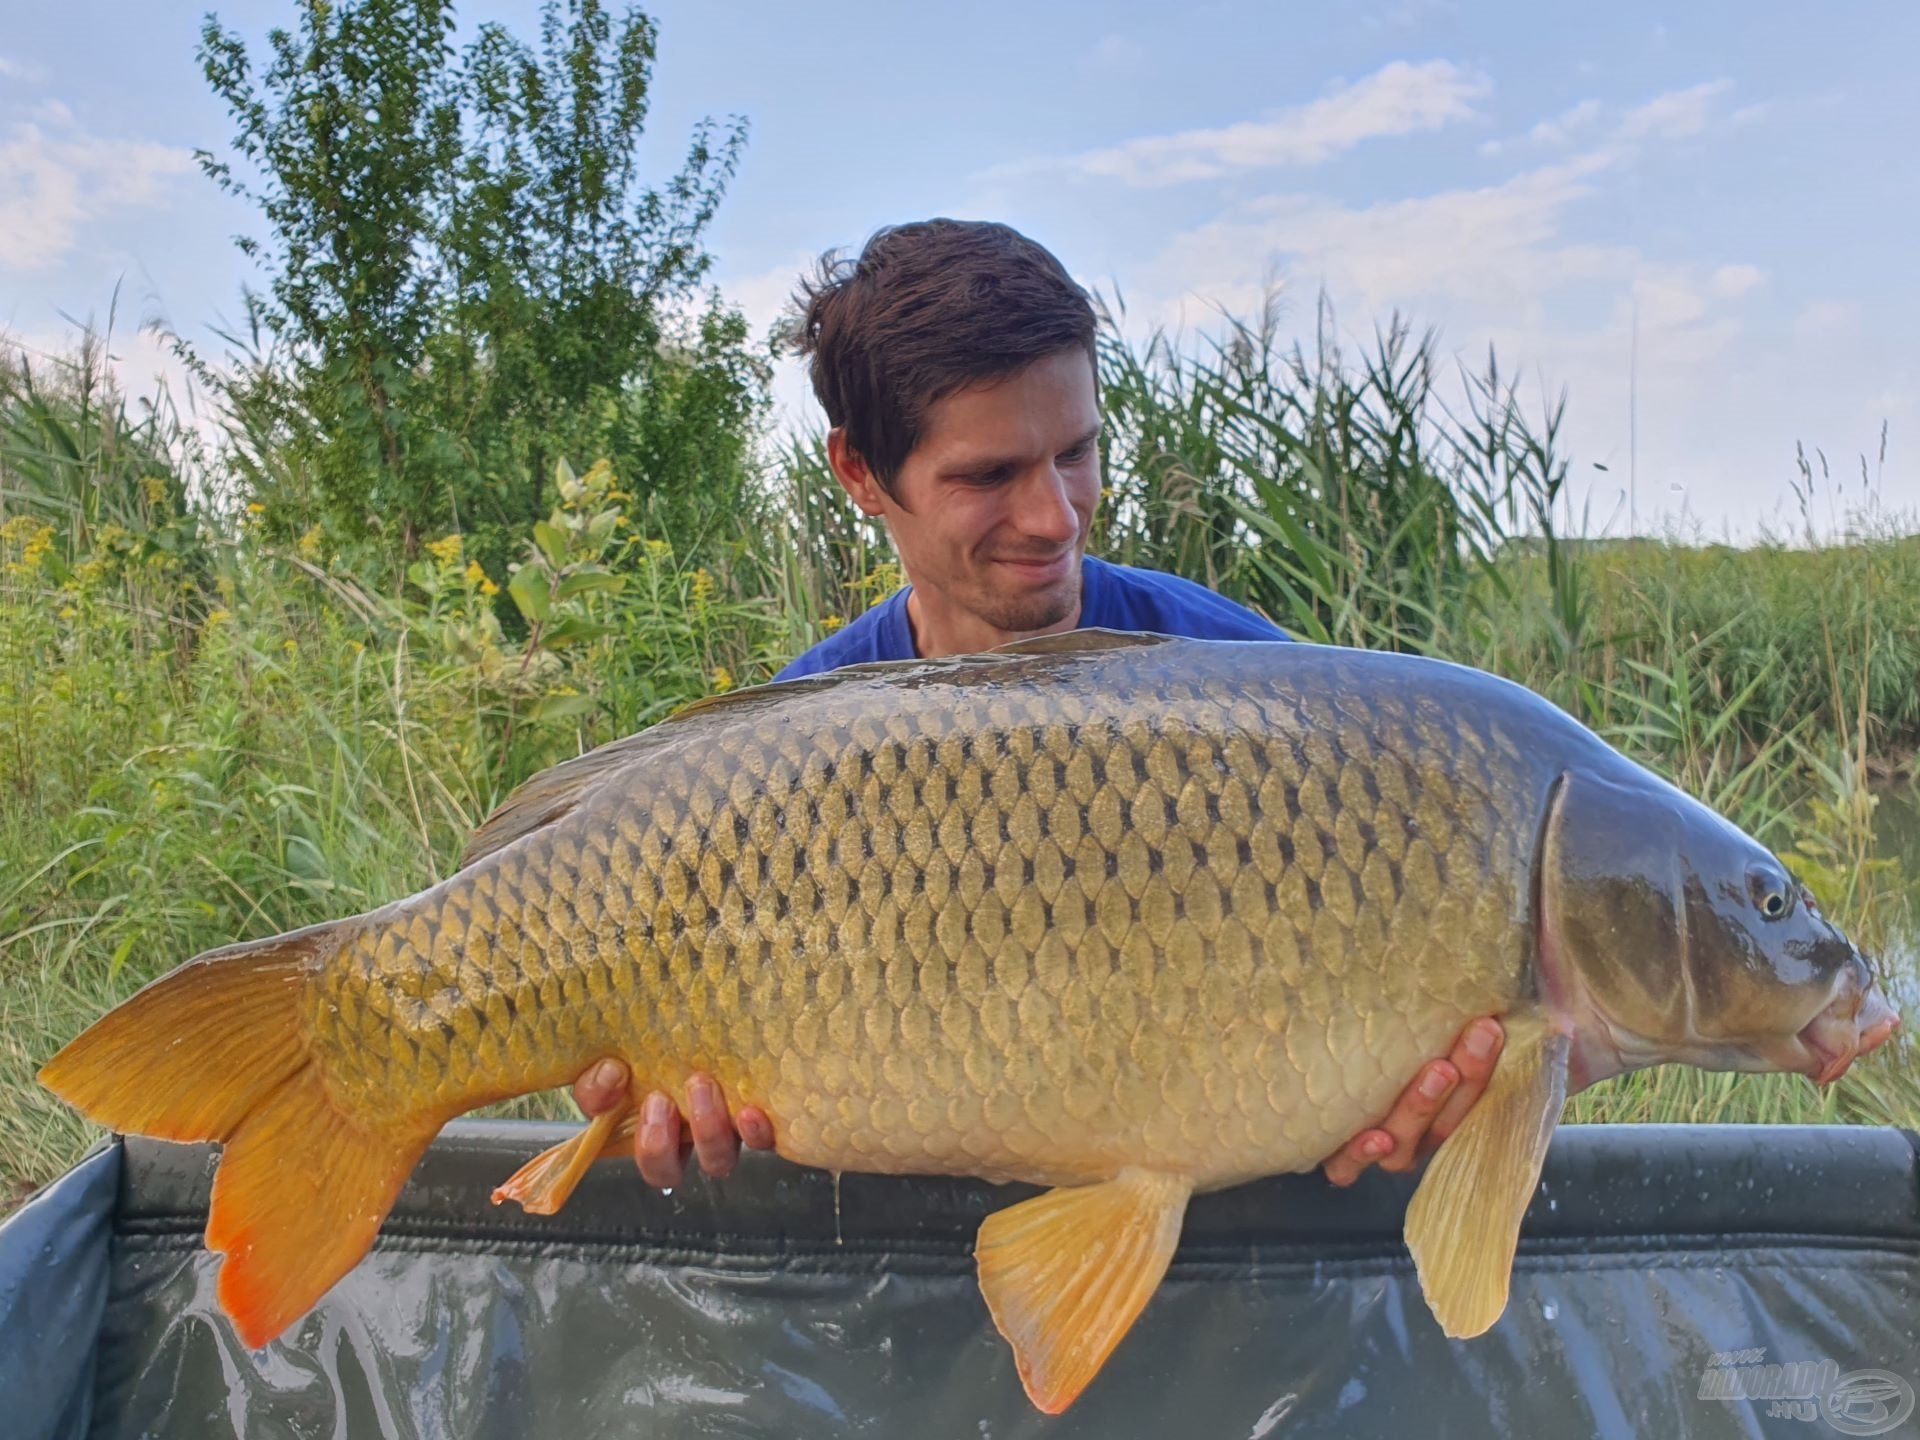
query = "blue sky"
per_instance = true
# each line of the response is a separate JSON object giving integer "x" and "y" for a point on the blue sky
{"x": 1739, "y": 176}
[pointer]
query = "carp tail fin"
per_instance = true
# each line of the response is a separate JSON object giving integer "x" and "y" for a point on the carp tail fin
{"x": 217, "y": 1050}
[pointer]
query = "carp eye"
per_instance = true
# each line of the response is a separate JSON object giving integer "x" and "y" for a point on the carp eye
{"x": 1772, "y": 895}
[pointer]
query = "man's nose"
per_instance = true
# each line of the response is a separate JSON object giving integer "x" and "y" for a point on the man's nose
{"x": 1044, "y": 510}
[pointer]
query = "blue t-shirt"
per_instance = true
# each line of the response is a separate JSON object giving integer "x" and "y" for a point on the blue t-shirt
{"x": 1113, "y": 597}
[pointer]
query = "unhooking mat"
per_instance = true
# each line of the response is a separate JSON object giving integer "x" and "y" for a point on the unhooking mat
{"x": 1672, "y": 1281}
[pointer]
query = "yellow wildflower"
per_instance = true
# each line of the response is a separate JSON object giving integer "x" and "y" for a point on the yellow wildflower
{"x": 884, "y": 579}
{"x": 722, "y": 679}
{"x": 659, "y": 550}
{"x": 599, "y": 475}
{"x": 489, "y": 589}
{"x": 35, "y": 539}
{"x": 446, "y": 549}
{"x": 702, "y": 587}
{"x": 357, "y": 646}
{"x": 832, "y": 623}
{"x": 473, "y": 574}
{"x": 67, "y": 612}
{"x": 218, "y": 617}
{"x": 254, "y": 507}
{"x": 290, "y": 645}
{"x": 310, "y": 544}
{"x": 154, "y": 488}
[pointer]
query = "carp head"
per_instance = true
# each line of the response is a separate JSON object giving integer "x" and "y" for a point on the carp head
{"x": 1667, "y": 934}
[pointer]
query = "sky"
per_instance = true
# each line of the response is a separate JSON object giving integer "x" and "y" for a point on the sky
{"x": 1696, "y": 221}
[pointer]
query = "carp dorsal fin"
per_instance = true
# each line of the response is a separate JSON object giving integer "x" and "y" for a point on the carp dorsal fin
{"x": 544, "y": 798}
{"x": 550, "y": 795}
{"x": 1066, "y": 1273}
{"x": 1464, "y": 1222}
{"x": 1081, "y": 642}
{"x": 553, "y": 793}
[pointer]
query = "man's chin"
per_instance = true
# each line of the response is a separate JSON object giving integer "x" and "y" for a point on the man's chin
{"x": 1027, "y": 613}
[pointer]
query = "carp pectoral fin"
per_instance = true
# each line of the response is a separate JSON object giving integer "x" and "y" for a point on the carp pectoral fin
{"x": 1066, "y": 1273}
{"x": 1464, "y": 1223}
{"x": 544, "y": 1183}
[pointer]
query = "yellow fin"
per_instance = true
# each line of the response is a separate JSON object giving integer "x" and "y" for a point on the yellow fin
{"x": 542, "y": 1185}
{"x": 1464, "y": 1223}
{"x": 1066, "y": 1274}
{"x": 217, "y": 1050}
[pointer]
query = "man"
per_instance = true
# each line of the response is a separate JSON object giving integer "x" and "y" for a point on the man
{"x": 956, "y": 363}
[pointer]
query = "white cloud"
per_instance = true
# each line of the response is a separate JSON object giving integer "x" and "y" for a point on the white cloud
{"x": 53, "y": 184}
{"x": 1507, "y": 264}
{"x": 1730, "y": 282}
{"x": 1675, "y": 115}
{"x": 1562, "y": 129}
{"x": 1827, "y": 317}
{"x": 763, "y": 298}
{"x": 1398, "y": 99}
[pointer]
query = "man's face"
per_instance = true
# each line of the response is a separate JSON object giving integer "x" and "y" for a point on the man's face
{"x": 991, "y": 510}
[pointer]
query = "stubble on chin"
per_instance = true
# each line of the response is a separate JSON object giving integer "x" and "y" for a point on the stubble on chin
{"x": 1036, "y": 611}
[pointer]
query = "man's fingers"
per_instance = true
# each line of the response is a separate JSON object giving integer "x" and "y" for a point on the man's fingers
{"x": 656, "y": 1146}
{"x": 756, "y": 1130}
{"x": 1475, "y": 1056}
{"x": 1413, "y": 1112}
{"x": 600, "y": 1087}
{"x": 1356, "y": 1155}
{"x": 715, "y": 1140}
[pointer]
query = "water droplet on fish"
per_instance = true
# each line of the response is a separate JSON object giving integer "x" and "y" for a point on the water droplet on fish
{"x": 1549, "y": 1310}
{"x": 666, "y": 1190}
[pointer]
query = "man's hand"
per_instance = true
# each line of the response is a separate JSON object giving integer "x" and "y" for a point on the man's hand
{"x": 658, "y": 1147}
{"x": 1428, "y": 1110}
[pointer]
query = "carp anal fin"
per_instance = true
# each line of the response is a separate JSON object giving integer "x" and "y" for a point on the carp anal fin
{"x": 1066, "y": 1273}
{"x": 1464, "y": 1223}
{"x": 544, "y": 1183}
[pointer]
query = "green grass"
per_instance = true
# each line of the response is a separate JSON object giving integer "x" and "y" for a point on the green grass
{"x": 205, "y": 737}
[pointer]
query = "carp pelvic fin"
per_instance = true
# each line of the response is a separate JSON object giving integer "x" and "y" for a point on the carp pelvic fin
{"x": 1065, "y": 1274}
{"x": 217, "y": 1050}
{"x": 1464, "y": 1223}
{"x": 544, "y": 1183}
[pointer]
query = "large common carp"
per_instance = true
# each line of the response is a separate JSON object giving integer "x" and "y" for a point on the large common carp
{"x": 1125, "y": 916}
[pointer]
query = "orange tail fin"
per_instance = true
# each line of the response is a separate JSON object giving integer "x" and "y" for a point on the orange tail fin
{"x": 217, "y": 1050}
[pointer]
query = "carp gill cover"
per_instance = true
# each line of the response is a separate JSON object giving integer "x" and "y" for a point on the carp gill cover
{"x": 1125, "y": 916}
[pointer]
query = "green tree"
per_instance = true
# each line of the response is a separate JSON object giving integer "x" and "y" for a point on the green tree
{"x": 468, "y": 279}
{"x": 351, "y": 130}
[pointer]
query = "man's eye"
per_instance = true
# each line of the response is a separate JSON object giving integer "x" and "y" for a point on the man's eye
{"x": 1077, "y": 454}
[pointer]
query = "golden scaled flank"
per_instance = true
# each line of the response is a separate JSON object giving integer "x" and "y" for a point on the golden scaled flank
{"x": 1041, "y": 930}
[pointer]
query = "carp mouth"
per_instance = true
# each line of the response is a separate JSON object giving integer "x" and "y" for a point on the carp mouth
{"x": 1857, "y": 1023}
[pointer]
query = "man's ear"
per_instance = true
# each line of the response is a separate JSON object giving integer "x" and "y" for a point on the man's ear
{"x": 852, "y": 473}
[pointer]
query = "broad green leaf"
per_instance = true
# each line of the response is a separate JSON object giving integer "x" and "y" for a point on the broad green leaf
{"x": 529, "y": 590}
{"x": 552, "y": 542}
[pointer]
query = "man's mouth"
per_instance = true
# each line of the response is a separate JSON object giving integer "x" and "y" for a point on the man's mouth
{"x": 1043, "y": 567}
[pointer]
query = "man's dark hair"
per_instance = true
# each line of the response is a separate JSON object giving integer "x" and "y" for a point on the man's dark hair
{"x": 929, "y": 309}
